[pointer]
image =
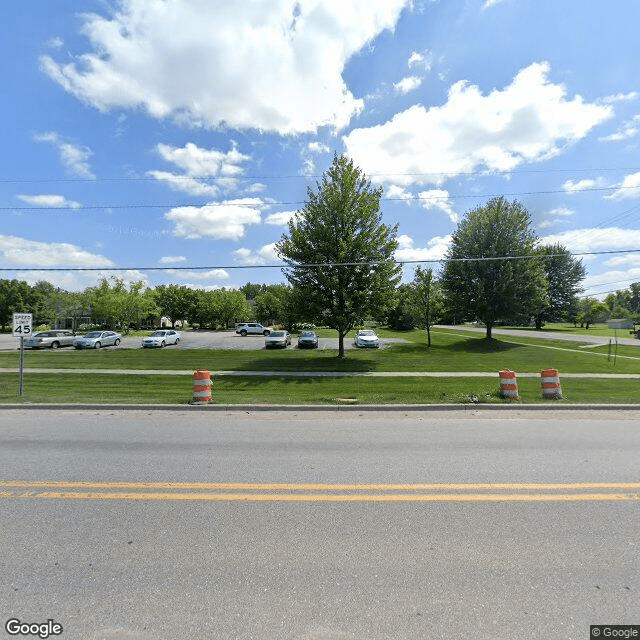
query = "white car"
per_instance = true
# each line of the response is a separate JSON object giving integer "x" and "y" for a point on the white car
{"x": 367, "y": 338}
{"x": 252, "y": 328}
{"x": 97, "y": 339}
{"x": 161, "y": 338}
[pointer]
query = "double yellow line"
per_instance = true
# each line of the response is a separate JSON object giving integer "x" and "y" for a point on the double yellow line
{"x": 319, "y": 492}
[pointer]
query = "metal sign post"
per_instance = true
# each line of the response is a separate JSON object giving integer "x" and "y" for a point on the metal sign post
{"x": 22, "y": 326}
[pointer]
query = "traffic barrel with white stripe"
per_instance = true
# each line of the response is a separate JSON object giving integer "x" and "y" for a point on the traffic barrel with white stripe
{"x": 550, "y": 381}
{"x": 508, "y": 384}
{"x": 201, "y": 386}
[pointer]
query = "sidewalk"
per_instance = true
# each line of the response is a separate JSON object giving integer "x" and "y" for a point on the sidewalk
{"x": 323, "y": 374}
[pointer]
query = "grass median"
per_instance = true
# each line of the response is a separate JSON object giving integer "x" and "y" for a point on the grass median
{"x": 451, "y": 351}
{"x": 72, "y": 388}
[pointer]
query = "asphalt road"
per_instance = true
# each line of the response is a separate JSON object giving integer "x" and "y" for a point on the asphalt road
{"x": 320, "y": 526}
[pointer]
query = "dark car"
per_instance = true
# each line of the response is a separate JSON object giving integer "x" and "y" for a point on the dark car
{"x": 308, "y": 340}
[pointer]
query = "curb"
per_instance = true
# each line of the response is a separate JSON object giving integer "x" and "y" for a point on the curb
{"x": 323, "y": 407}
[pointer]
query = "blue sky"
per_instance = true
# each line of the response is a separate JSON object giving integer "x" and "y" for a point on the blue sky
{"x": 148, "y": 139}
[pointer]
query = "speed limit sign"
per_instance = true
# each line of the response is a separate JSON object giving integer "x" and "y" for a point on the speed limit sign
{"x": 22, "y": 324}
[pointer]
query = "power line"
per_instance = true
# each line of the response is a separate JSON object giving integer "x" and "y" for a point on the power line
{"x": 148, "y": 178}
{"x": 283, "y": 265}
{"x": 264, "y": 204}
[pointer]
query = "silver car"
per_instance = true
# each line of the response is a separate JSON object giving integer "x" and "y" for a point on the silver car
{"x": 54, "y": 339}
{"x": 97, "y": 339}
{"x": 161, "y": 338}
{"x": 308, "y": 340}
{"x": 277, "y": 339}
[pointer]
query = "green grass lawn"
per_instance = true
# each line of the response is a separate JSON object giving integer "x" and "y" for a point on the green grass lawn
{"x": 451, "y": 350}
{"x": 598, "y": 329}
{"x": 158, "y": 389}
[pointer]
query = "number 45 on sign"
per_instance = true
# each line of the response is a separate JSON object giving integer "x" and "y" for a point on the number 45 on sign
{"x": 22, "y": 324}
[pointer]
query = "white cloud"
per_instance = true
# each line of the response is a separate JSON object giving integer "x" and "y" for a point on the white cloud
{"x": 630, "y": 260}
{"x": 50, "y": 200}
{"x": 267, "y": 254}
{"x": 198, "y": 164}
{"x": 555, "y": 216}
{"x": 587, "y": 184}
{"x": 20, "y": 252}
{"x": 438, "y": 199}
{"x": 603, "y": 281}
{"x": 421, "y": 60}
{"x": 55, "y": 43}
{"x": 408, "y": 84}
{"x": 223, "y": 221}
{"x": 318, "y": 147}
{"x": 491, "y": 3}
{"x": 281, "y": 218}
{"x": 596, "y": 239}
{"x": 629, "y": 130}
{"x": 172, "y": 259}
{"x": 80, "y": 280}
{"x": 33, "y": 255}
{"x": 620, "y": 97}
{"x": 434, "y": 251}
{"x": 395, "y": 192}
{"x": 562, "y": 212}
{"x": 629, "y": 189}
{"x": 272, "y": 65}
{"x": 74, "y": 157}
{"x": 211, "y": 274}
{"x": 185, "y": 184}
{"x": 528, "y": 121}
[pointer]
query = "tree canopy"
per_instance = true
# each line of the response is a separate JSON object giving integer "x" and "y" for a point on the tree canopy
{"x": 339, "y": 254}
{"x": 491, "y": 270}
{"x": 564, "y": 274}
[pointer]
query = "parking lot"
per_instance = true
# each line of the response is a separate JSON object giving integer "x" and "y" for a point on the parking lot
{"x": 207, "y": 340}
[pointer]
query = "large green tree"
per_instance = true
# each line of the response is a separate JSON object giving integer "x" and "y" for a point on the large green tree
{"x": 491, "y": 269}
{"x": 564, "y": 274}
{"x": 121, "y": 305}
{"x": 339, "y": 254}
{"x": 175, "y": 301}
{"x": 15, "y": 297}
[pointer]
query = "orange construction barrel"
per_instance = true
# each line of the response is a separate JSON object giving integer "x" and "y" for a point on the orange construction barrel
{"x": 550, "y": 381}
{"x": 508, "y": 384}
{"x": 201, "y": 386}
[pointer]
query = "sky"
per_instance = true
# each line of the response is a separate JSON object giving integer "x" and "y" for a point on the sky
{"x": 170, "y": 141}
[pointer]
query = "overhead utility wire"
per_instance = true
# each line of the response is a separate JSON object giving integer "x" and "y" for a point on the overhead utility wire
{"x": 240, "y": 203}
{"x": 314, "y": 264}
{"x": 149, "y": 178}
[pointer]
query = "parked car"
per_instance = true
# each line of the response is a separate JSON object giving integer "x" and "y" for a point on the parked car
{"x": 252, "y": 328}
{"x": 308, "y": 340}
{"x": 277, "y": 339}
{"x": 161, "y": 338}
{"x": 97, "y": 339}
{"x": 54, "y": 339}
{"x": 367, "y": 338}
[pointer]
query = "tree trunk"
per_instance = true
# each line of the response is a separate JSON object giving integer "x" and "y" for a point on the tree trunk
{"x": 489, "y": 327}
{"x": 340, "y": 344}
{"x": 428, "y": 335}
